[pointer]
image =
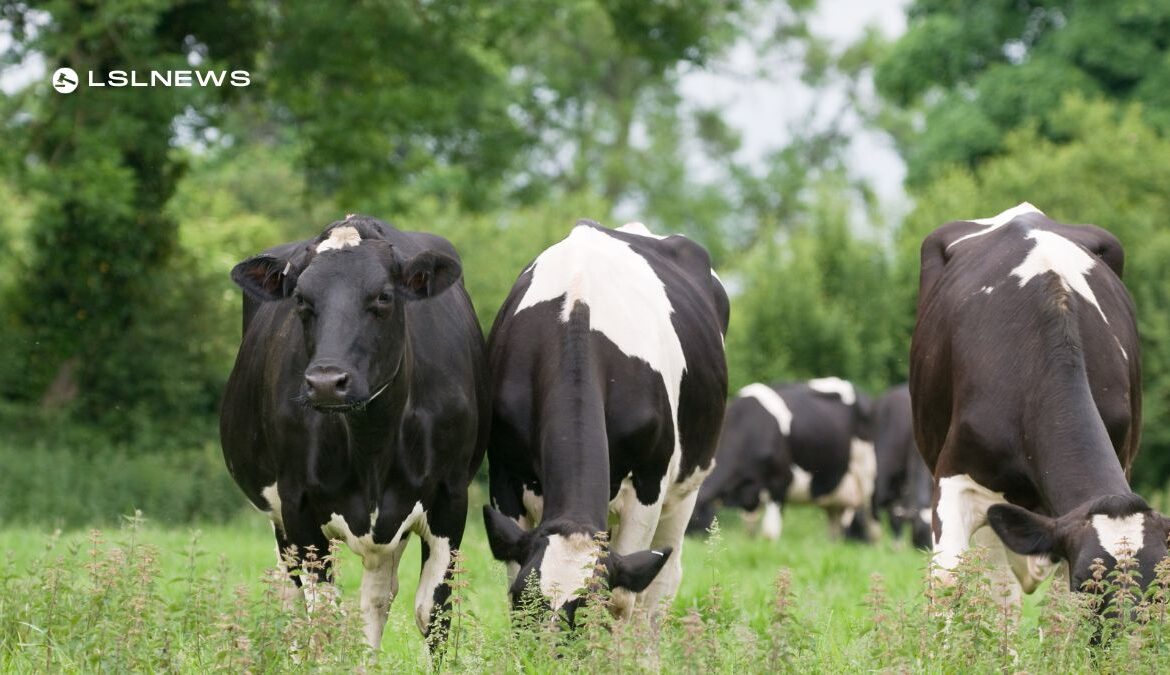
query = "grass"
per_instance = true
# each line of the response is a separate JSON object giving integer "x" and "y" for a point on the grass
{"x": 145, "y": 598}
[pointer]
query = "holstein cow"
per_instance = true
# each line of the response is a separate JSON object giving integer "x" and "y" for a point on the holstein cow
{"x": 1026, "y": 388}
{"x": 609, "y": 379}
{"x": 358, "y": 406}
{"x": 806, "y": 442}
{"x": 904, "y": 485}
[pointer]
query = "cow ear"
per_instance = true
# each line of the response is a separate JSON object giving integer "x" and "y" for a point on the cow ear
{"x": 504, "y": 536}
{"x": 635, "y": 571}
{"x": 426, "y": 275}
{"x": 272, "y": 275}
{"x": 1022, "y": 531}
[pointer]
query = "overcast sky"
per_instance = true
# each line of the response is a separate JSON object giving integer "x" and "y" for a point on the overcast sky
{"x": 764, "y": 108}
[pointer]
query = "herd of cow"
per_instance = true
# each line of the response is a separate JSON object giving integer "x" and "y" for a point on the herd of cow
{"x": 364, "y": 398}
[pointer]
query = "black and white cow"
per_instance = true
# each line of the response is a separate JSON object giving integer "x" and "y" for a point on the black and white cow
{"x": 1026, "y": 388}
{"x": 609, "y": 379}
{"x": 358, "y": 406}
{"x": 805, "y": 442}
{"x": 904, "y": 485}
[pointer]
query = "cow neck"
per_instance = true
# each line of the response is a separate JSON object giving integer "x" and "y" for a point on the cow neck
{"x": 574, "y": 449}
{"x": 1072, "y": 458}
{"x": 375, "y": 432}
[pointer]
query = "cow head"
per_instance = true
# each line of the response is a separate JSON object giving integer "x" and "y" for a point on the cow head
{"x": 349, "y": 287}
{"x": 563, "y": 561}
{"x": 1101, "y": 528}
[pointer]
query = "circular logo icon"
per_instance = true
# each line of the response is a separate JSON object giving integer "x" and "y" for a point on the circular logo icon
{"x": 65, "y": 80}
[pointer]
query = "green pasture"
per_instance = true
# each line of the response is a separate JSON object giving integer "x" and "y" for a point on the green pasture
{"x": 152, "y": 598}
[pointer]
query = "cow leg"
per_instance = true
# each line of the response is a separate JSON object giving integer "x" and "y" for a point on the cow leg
{"x": 288, "y": 586}
{"x": 960, "y": 508}
{"x": 315, "y": 577}
{"x": 514, "y": 501}
{"x": 636, "y": 526}
{"x": 672, "y": 526}
{"x": 772, "y": 522}
{"x": 1004, "y": 587}
{"x": 379, "y": 588}
{"x": 441, "y": 532}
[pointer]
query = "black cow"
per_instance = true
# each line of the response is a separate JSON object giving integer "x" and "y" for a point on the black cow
{"x": 805, "y": 442}
{"x": 609, "y": 379}
{"x": 904, "y": 485}
{"x": 1025, "y": 378}
{"x": 358, "y": 406}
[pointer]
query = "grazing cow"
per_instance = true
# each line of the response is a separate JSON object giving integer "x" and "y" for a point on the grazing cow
{"x": 904, "y": 484}
{"x": 608, "y": 379}
{"x": 358, "y": 406}
{"x": 805, "y": 442}
{"x": 1026, "y": 388}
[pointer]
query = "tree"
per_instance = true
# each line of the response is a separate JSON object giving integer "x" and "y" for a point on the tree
{"x": 978, "y": 69}
{"x": 101, "y": 167}
{"x": 817, "y": 300}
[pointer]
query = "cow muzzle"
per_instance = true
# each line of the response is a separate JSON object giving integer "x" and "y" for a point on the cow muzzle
{"x": 327, "y": 387}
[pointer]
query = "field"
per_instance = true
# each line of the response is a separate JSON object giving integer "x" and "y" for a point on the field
{"x": 144, "y": 598}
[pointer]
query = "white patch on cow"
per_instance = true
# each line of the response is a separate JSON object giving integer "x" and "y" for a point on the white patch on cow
{"x": 835, "y": 385}
{"x": 962, "y": 513}
{"x": 533, "y": 508}
{"x": 364, "y": 545}
{"x": 380, "y": 578}
{"x": 434, "y": 571}
{"x": 855, "y": 489}
{"x": 1124, "y": 355}
{"x": 1071, "y": 263}
{"x": 378, "y": 590}
{"x": 772, "y": 402}
{"x": 639, "y": 229}
{"x": 772, "y": 523}
{"x": 339, "y": 238}
{"x": 962, "y": 509}
{"x": 801, "y": 488}
{"x": 1111, "y": 532}
{"x": 924, "y": 515}
{"x": 634, "y": 314}
{"x": 635, "y": 522}
{"x": 987, "y": 290}
{"x": 995, "y": 222}
{"x": 567, "y": 566}
{"x": 272, "y": 496}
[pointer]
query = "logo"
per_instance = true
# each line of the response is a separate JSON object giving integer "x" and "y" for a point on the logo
{"x": 65, "y": 80}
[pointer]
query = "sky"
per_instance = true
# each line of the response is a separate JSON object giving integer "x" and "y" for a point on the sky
{"x": 764, "y": 108}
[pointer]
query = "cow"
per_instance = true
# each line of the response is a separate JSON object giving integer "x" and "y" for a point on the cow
{"x": 1025, "y": 380}
{"x": 904, "y": 485}
{"x": 358, "y": 406}
{"x": 804, "y": 442}
{"x": 608, "y": 382}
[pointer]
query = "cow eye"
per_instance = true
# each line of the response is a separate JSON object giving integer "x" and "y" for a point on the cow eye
{"x": 384, "y": 298}
{"x": 303, "y": 305}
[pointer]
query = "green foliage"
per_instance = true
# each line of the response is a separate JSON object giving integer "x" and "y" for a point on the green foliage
{"x": 68, "y": 482}
{"x": 101, "y": 254}
{"x": 982, "y": 69}
{"x": 1111, "y": 170}
{"x": 818, "y": 301}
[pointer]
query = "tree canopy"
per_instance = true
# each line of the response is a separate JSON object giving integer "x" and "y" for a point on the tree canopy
{"x": 979, "y": 69}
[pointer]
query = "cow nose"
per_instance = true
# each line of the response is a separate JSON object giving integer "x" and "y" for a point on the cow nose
{"x": 327, "y": 384}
